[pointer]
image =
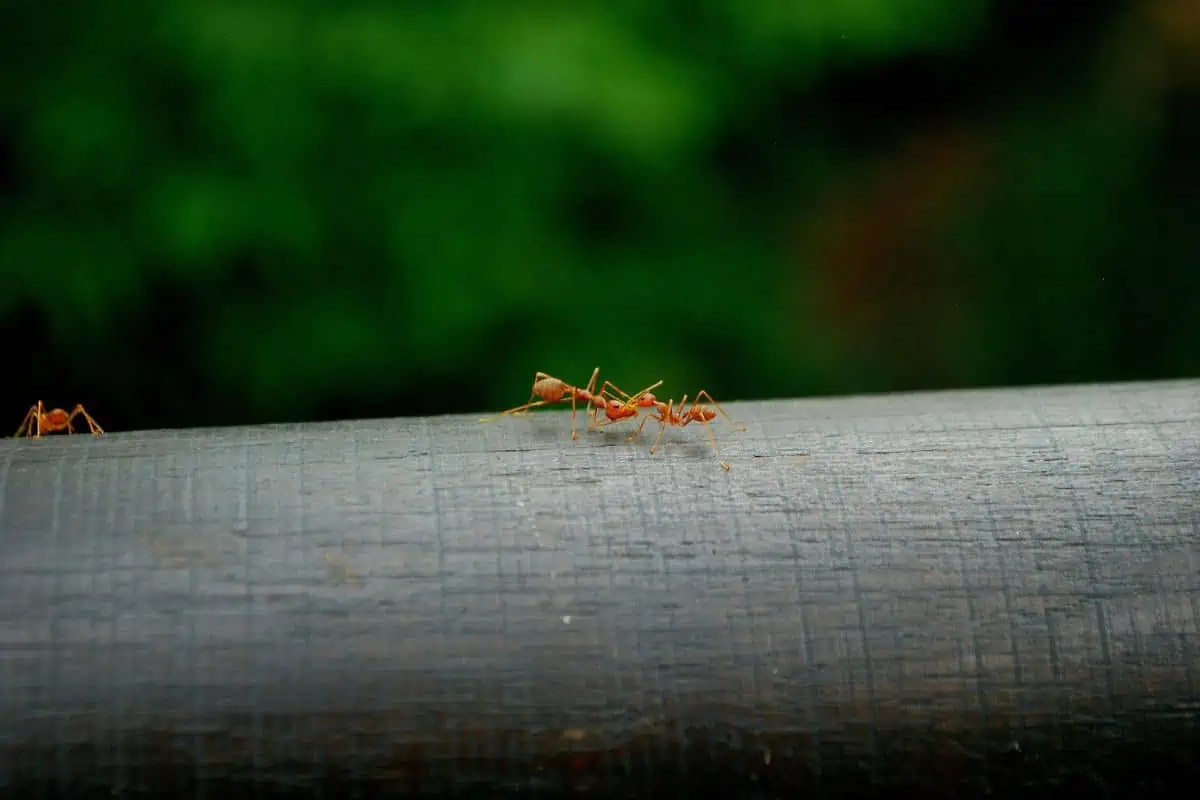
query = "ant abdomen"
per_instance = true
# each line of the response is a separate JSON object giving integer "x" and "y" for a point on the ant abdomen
{"x": 56, "y": 417}
{"x": 549, "y": 389}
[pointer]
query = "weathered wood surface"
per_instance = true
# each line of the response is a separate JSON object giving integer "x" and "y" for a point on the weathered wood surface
{"x": 951, "y": 589}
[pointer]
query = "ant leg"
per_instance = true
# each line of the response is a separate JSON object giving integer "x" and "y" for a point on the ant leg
{"x": 603, "y": 423}
{"x": 27, "y": 423}
{"x": 574, "y": 396}
{"x": 593, "y": 418}
{"x": 661, "y": 412}
{"x": 717, "y": 405}
{"x": 628, "y": 397}
{"x": 708, "y": 428}
{"x": 688, "y": 417}
{"x": 92, "y": 424}
{"x": 591, "y": 384}
{"x": 596, "y": 402}
{"x": 537, "y": 376}
{"x": 666, "y": 420}
{"x": 638, "y": 432}
{"x": 574, "y": 435}
{"x": 610, "y": 385}
{"x": 517, "y": 410}
{"x": 41, "y": 415}
{"x": 724, "y": 464}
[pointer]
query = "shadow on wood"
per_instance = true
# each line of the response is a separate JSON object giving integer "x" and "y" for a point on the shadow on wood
{"x": 945, "y": 593}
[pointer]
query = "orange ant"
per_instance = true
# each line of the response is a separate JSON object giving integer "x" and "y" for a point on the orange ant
{"x": 671, "y": 414}
{"x": 548, "y": 389}
{"x": 38, "y": 421}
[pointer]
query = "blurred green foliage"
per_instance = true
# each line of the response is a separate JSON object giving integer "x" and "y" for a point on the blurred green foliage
{"x": 248, "y": 210}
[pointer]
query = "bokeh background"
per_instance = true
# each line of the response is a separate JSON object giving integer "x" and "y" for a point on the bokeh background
{"x": 241, "y": 211}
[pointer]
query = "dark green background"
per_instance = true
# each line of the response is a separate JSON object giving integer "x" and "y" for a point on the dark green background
{"x": 237, "y": 211}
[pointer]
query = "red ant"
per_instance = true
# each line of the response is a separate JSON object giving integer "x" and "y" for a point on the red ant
{"x": 548, "y": 389}
{"x": 666, "y": 414}
{"x": 38, "y": 420}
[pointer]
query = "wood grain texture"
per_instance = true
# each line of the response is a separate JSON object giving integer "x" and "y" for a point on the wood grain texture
{"x": 943, "y": 590}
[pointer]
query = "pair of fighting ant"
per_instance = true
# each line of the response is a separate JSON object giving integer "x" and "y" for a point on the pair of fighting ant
{"x": 622, "y": 406}
{"x": 39, "y": 421}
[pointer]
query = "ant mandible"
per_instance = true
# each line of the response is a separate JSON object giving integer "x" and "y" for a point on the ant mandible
{"x": 38, "y": 421}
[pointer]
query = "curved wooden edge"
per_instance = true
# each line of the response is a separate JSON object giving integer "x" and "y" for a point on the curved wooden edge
{"x": 333, "y": 568}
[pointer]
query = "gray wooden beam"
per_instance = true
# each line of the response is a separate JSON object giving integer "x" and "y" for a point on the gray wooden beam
{"x": 965, "y": 579}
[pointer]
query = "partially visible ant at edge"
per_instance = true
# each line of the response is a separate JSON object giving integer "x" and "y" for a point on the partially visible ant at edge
{"x": 38, "y": 421}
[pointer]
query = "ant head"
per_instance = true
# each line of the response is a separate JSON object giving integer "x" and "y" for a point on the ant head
{"x": 645, "y": 398}
{"x": 618, "y": 410}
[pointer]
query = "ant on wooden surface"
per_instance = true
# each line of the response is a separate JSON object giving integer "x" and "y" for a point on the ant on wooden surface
{"x": 548, "y": 389}
{"x": 38, "y": 421}
{"x": 671, "y": 414}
